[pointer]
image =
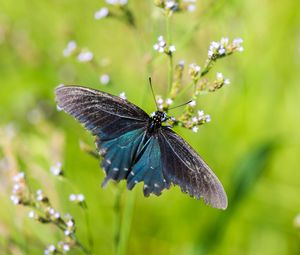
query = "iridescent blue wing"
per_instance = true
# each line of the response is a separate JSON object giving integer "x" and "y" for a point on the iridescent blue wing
{"x": 118, "y": 124}
{"x": 183, "y": 166}
{"x": 149, "y": 168}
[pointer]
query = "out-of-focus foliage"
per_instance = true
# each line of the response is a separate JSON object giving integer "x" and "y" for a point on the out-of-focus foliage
{"x": 252, "y": 142}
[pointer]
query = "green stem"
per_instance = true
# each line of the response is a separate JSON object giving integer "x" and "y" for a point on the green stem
{"x": 126, "y": 226}
{"x": 117, "y": 210}
{"x": 88, "y": 228}
{"x": 170, "y": 68}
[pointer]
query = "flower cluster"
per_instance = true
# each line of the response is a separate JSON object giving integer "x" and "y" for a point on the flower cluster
{"x": 43, "y": 212}
{"x": 162, "y": 47}
{"x": 223, "y": 48}
{"x": 19, "y": 192}
{"x": 79, "y": 198}
{"x": 171, "y": 6}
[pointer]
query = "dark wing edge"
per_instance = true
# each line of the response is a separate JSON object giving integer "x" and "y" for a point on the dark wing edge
{"x": 184, "y": 167}
{"x": 100, "y": 112}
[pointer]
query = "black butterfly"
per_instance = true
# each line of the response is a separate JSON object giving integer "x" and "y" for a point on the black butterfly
{"x": 137, "y": 147}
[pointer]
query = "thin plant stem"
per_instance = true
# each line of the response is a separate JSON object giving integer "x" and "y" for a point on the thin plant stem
{"x": 170, "y": 68}
{"x": 117, "y": 210}
{"x": 126, "y": 223}
{"x": 88, "y": 228}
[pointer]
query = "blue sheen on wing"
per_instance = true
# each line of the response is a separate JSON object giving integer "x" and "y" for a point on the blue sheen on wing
{"x": 149, "y": 168}
{"x": 119, "y": 153}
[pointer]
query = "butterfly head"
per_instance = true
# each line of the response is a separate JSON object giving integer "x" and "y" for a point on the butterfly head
{"x": 156, "y": 119}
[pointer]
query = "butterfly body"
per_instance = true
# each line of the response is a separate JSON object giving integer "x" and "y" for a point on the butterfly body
{"x": 137, "y": 147}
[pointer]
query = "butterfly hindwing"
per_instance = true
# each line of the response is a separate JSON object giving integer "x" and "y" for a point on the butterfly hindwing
{"x": 149, "y": 169}
{"x": 184, "y": 167}
{"x": 119, "y": 154}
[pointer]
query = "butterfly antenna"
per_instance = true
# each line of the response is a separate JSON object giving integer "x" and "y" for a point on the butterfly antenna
{"x": 150, "y": 83}
{"x": 180, "y": 105}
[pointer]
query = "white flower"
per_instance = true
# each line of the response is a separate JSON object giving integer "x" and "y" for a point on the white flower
{"x": 195, "y": 129}
{"x": 57, "y": 215}
{"x": 102, "y": 13}
{"x": 195, "y": 68}
{"x": 31, "y": 214}
{"x": 56, "y": 169}
{"x": 66, "y": 247}
{"x": 169, "y": 101}
{"x": 160, "y": 45}
{"x": 222, "y": 51}
{"x": 200, "y": 114}
{"x": 237, "y": 44}
{"x": 224, "y": 41}
{"x": 85, "y": 56}
{"x": 226, "y": 81}
{"x": 15, "y": 199}
{"x": 207, "y": 118}
{"x": 72, "y": 197}
{"x": 67, "y": 232}
{"x": 71, "y": 47}
{"x": 160, "y": 101}
{"x": 70, "y": 223}
{"x": 191, "y": 7}
{"x": 172, "y": 48}
{"x": 170, "y": 4}
{"x": 122, "y": 95}
{"x": 104, "y": 79}
{"x": 152, "y": 114}
{"x": 220, "y": 76}
{"x": 192, "y": 103}
{"x": 195, "y": 119}
{"x": 51, "y": 211}
{"x": 117, "y": 2}
{"x": 80, "y": 197}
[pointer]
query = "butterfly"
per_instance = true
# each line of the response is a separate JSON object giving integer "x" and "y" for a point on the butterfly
{"x": 137, "y": 147}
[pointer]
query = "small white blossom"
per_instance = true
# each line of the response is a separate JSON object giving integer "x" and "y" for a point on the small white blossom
{"x": 85, "y": 56}
{"x": 207, "y": 118}
{"x": 200, "y": 114}
{"x": 72, "y": 197}
{"x": 117, "y": 2}
{"x": 70, "y": 223}
{"x": 122, "y": 95}
{"x": 80, "y": 197}
{"x": 192, "y": 103}
{"x": 71, "y": 47}
{"x": 195, "y": 119}
{"x": 57, "y": 215}
{"x": 160, "y": 45}
{"x": 172, "y": 48}
{"x": 169, "y": 101}
{"x": 104, "y": 79}
{"x": 170, "y": 4}
{"x": 66, "y": 247}
{"x": 31, "y": 214}
{"x": 152, "y": 114}
{"x": 67, "y": 232}
{"x": 191, "y": 7}
{"x": 15, "y": 199}
{"x": 56, "y": 169}
{"x": 220, "y": 76}
{"x": 195, "y": 129}
{"x": 51, "y": 211}
{"x": 226, "y": 81}
{"x": 102, "y": 13}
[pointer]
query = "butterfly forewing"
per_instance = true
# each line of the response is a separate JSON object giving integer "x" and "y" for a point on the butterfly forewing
{"x": 103, "y": 114}
{"x": 184, "y": 167}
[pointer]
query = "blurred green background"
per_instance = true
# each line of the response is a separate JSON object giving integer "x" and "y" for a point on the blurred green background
{"x": 252, "y": 143}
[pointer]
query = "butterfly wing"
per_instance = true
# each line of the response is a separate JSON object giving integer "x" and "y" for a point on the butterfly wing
{"x": 149, "y": 168}
{"x": 118, "y": 124}
{"x": 183, "y": 166}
